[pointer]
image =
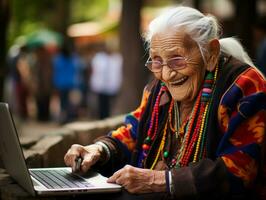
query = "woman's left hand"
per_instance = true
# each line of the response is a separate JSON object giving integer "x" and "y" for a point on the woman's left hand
{"x": 137, "y": 180}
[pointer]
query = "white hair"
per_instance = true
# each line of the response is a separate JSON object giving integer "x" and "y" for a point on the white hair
{"x": 201, "y": 28}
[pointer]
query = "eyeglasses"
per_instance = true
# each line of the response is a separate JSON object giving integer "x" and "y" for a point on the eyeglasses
{"x": 175, "y": 63}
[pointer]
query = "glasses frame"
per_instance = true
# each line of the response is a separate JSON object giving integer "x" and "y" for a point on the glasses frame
{"x": 166, "y": 63}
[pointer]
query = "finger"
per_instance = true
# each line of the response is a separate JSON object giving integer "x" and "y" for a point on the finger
{"x": 66, "y": 158}
{"x": 87, "y": 162}
{"x": 121, "y": 180}
{"x": 71, "y": 156}
{"x": 115, "y": 176}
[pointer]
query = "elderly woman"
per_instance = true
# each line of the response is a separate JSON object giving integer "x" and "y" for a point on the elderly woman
{"x": 200, "y": 127}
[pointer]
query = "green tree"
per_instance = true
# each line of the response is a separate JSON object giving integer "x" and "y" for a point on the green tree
{"x": 56, "y": 15}
{"x": 33, "y": 16}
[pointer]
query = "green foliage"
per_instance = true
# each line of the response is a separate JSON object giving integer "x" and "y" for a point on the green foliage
{"x": 159, "y": 3}
{"x": 30, "y": 9}
{"x": 26, "y": 17}
{"x": 30, "y": 15}
{"x": 85, "y": 10}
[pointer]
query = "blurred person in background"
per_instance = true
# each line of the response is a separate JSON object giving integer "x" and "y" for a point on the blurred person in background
{"x": 106, "y": 79}
{"x": 68, "y": 81}
{"x": 21, "y": 83}
{"x": 42, "y": 77}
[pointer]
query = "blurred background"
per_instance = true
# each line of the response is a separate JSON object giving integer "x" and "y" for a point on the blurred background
{"x": 71, "y": 60}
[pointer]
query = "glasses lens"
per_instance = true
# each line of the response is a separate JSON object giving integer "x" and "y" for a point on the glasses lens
{"x": 154, "y": 66}
{"x": 177, "y": 63}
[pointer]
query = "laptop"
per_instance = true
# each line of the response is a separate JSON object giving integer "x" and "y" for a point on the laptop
{"x": 44, "y": 181}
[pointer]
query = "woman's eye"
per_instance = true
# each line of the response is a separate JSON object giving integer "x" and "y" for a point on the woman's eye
{"x": 156, "y": 64}
{"x": 157, "y": 58}
{"x": 179, "y": 61}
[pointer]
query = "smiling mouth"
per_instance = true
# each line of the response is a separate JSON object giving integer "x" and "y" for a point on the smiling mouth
{"x": 179, "y": 82}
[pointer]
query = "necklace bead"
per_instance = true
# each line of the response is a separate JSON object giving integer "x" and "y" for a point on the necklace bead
{"x": 148, "y": 140}
{"x": 166, "y": 154}
{"x": 145, "y": 147}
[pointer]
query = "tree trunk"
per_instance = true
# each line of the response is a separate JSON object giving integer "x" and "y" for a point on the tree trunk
{"x": 196, "y": 4}
{"x": 62, "y": 16}
{"x": 4, "y": 20}
{"x": 132, "y": 52}
{"x": 245, "y": 16}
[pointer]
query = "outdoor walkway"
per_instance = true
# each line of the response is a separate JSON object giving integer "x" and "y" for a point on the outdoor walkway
{"x": 30, "y": 130}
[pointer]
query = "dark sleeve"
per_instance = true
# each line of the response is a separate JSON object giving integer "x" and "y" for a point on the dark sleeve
{"x": 118, "y": 156}
{"x": 206, "y": 178}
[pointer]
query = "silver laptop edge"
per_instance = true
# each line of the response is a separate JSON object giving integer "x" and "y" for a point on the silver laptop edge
{"x": 13, "y": 156}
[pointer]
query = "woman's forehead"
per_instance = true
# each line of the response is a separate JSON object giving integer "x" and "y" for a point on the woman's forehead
{"x": 170, "y": 41}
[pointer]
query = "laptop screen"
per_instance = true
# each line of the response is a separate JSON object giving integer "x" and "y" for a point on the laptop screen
{"x": 11, "y": 152}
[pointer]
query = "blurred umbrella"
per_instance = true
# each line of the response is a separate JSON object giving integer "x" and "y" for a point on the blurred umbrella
{"x": 44, "y": 38}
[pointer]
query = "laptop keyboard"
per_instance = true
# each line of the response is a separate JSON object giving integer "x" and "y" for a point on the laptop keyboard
{"x": 59, "y": 178}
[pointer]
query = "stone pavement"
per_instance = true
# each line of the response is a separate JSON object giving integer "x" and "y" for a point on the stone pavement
{"x": 33, "y": 130}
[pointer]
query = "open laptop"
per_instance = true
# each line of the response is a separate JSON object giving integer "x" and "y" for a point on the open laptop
{"x": 43, "y": 181}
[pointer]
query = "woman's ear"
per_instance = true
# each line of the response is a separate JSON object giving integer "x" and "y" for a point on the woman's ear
{"x": 214, "y": 52}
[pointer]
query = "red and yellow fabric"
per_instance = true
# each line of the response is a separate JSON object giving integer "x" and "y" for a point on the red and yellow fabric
{"x": 127, "y": 134}
{"x": 242, "y": 119}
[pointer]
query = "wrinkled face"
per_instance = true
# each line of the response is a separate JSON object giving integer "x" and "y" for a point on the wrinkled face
{"x": 183, "y": 84}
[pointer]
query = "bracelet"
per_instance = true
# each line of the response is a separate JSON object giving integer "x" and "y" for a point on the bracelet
{"x": 171, "y": 186}
{"x": 106, "y": 150}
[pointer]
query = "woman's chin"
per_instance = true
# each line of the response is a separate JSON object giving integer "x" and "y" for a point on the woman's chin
{"x": 180, "y": 96}
{"x": 181, "y": 93}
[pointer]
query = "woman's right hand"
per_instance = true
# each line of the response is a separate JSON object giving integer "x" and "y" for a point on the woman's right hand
{"x": 89, "y": 154}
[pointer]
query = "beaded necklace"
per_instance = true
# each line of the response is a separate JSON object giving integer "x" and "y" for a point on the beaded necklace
{"x": 192, "y": 132}
{"x": 153, "y": 127}
{"x": 176, "y": 127}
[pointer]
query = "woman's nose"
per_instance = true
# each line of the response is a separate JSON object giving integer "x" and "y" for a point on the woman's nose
{"x": 168, "y": 73}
